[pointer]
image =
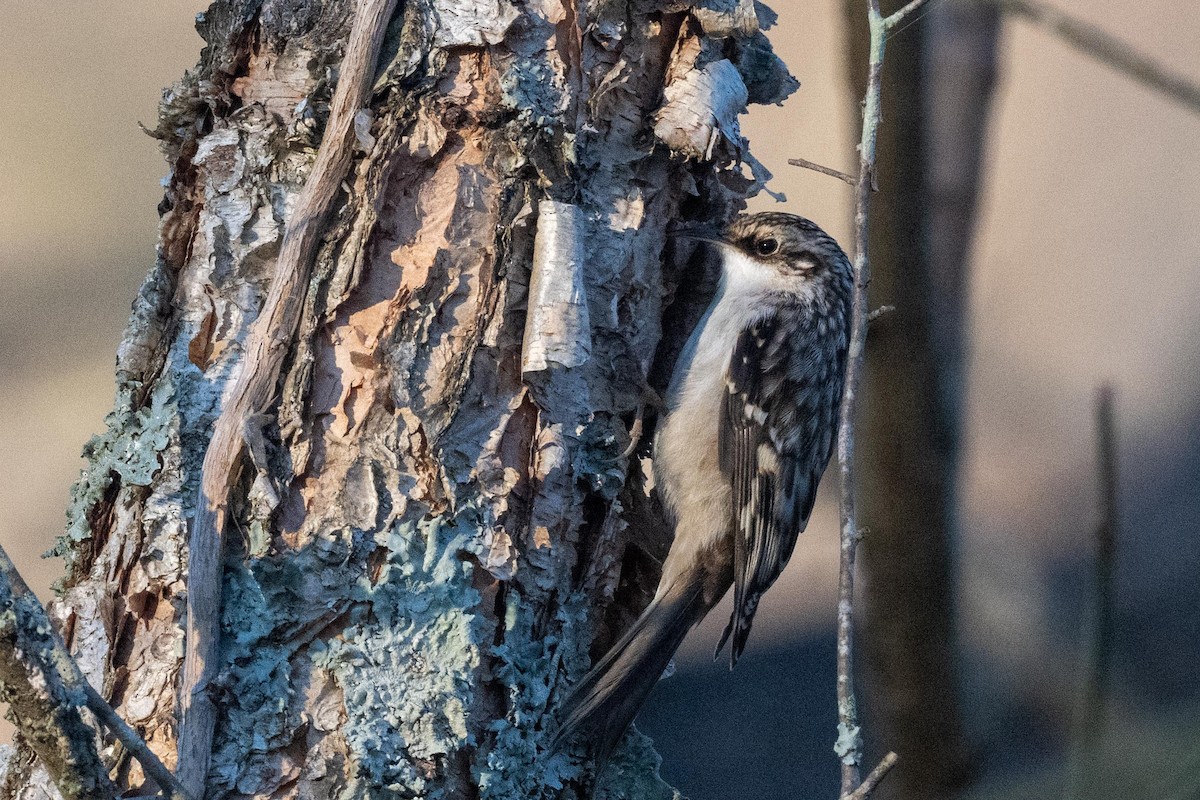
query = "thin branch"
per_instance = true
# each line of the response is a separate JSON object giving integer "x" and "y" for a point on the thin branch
{"x": 874, "y": 778}
{"x": 849, "y": 746}
{"x": 845, "y": 177}
{"x": 35, "y": 681}
{"x": 1098, "y": 641}
{"x": 132, "y": 741}
{"x": 58, "y": 668}
{"x": 880, "y": 312}
{"x": 1104, "y": 47}
{"x": 266, "y": 345}
{"x": 901, "y": 14}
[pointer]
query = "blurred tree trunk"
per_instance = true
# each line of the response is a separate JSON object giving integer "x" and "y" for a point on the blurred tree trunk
{"x": 938, "y": 80}
{"x": 441, "y": 519}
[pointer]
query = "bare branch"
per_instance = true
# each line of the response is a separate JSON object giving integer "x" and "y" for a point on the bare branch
{"x": 845, "y": 177}
{"x": 874, "y": 778}
{"x": 849, "y": 744}
{"x": 132, "y": 741}
{"x": 43, "y": 700}
{"x": 900, "y": 15}
{"x": 1097, "y": 645}
{"x": 266, "y": 345}
{"x": 879, "y": 312}
{"x": 59, "y": 669}
{"x": 1105, "y": 47}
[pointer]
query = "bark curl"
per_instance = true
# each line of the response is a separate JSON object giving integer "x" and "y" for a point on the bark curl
{"x": 426, "y": 537}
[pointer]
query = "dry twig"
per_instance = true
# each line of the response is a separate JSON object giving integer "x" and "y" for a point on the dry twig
{"x": 845, "y": 177}
{"x": 849, "y": 745}
{"x": 132, "y": 741}
{"x": 873, "y": 779}
{"x": 880, "y": 312}
{"x": 266, "y": 345}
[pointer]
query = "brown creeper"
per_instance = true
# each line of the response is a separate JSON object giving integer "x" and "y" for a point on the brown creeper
{"x": 749, "y": 427}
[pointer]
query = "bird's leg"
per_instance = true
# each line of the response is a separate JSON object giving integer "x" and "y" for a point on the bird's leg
{"x": 648, "y": 397}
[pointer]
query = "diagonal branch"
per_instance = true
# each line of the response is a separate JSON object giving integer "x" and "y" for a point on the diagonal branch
{"x": 1105, "y": 47}
{"x": 875, "y": 777}
{"x": 891, "y": 21}
{"x": 43, "y": 701}
{"x": 266, "y": 345}
{"x": 849, "y": 745}
{"x": 844, "y": 177}
{"x": 45, "y": 689}
{"x": 132, "y": 741}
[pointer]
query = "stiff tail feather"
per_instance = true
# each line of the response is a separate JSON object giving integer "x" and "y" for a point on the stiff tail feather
{"x": 607, "y": 699}
{"x": 740, "y": 622}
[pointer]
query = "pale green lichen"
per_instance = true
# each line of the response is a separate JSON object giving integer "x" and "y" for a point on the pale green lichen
{"x": 518, "y": 765}
{"x": 257, "y": 676}
{"x": 273, "y": 607}
{"x": 527, "y": 665}
{"x": 848, "y": 744}
{"x": 407, "y": 664}
{"x": 633, "y": 772}
{"x": 128, "y": 452}
{"x": 599, "y": 456}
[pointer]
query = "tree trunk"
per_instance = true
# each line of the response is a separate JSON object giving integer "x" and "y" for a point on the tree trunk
{"x": 938, "y": 78}
{"x": 440, "y": 519}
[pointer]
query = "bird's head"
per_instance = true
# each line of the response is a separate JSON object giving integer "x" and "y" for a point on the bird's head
{"x": 774, "y": 251}
{"x": 786, "y": 244}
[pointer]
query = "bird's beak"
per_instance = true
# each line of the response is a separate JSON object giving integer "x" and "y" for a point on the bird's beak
{"x": 697, "y": 232}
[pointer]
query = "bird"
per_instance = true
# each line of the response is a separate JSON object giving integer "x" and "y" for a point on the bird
{"x": 750, "y": 421}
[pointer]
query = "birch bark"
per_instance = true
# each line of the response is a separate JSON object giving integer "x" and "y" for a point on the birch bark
{"x": 438, "y": 519}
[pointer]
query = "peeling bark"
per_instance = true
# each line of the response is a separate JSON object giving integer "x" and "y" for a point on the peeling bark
{"x": 436, "y": 519}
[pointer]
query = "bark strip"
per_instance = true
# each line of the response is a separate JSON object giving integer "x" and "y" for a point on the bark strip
{"x": 268, "y": 342}
{"x": 557, "y": 330}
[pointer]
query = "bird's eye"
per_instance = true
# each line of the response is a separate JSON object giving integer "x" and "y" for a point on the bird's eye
{"x": 766, "y": 247}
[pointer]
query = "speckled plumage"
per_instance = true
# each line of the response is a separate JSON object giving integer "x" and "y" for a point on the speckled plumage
{"x": 749, "y": 427}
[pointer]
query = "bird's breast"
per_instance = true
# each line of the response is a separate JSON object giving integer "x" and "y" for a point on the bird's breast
{"x": 686, "y": 467}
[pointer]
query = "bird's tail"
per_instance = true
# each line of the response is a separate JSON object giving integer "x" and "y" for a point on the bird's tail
{"x": 607, "y": 699}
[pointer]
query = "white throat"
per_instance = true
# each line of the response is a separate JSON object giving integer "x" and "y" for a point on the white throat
{"x": 741, "y": 274}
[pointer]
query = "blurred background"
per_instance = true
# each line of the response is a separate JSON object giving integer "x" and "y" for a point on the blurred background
{"x": 1084, "y": 267}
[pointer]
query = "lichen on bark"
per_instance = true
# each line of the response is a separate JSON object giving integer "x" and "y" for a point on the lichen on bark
{"x": 432, "y": 535}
